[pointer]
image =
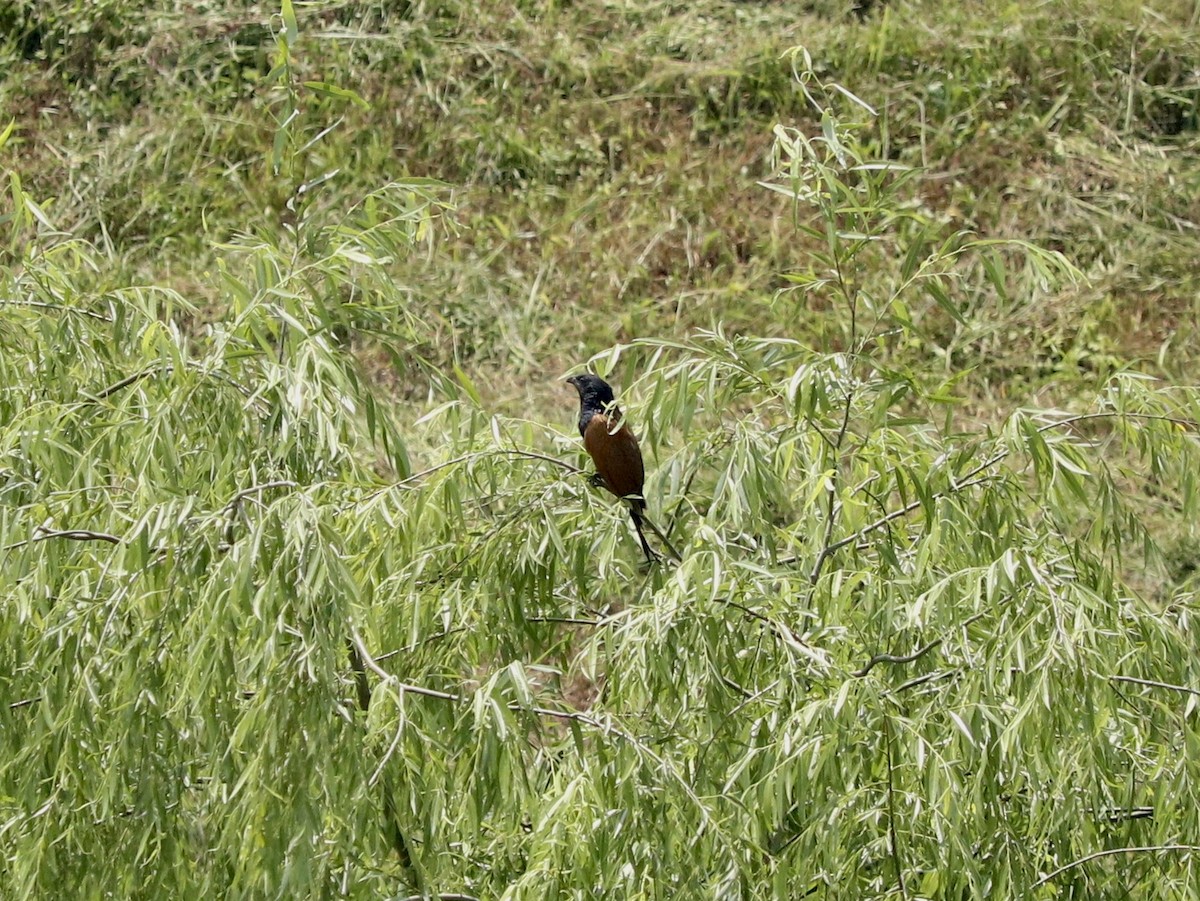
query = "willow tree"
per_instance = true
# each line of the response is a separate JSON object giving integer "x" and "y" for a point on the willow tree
{"x": 247, "y": 651}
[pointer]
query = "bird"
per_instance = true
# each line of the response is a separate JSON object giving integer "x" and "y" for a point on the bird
{"x": 614, "y": 449}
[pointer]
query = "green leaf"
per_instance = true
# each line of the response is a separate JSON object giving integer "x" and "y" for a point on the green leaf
{"x": 291, "y": 30}
{"x": 331, "y": 90}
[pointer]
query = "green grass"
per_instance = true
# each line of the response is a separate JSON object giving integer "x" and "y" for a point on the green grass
{"x": 604, "y": 160}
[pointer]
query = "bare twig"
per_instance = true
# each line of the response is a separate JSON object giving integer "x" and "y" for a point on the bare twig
{"x": 921, "y": 680}
{"x": 746, "y": 694}
{"x": 1114, "y": 815}
{"x": 26, "y": 702}
{"x": 1150, "y": 683}
{"x": 566, "y": 621}
{"x": 45, "y": 534}
{"x": 827, "y": 547}
{"x": 891, "y": 801}
{"x": 78, "y": 535}
{"x": 897, "y": 658}
{"x": 970, "y": 480}
{"x": 366, "y": 660}
{"x": 1146, "y": 849}
{"x": 1189, "y": 424}
{"x": 909, "y": 658}
{"x": 655, "y": 529}
{"x": 234, "y": 507}
{"x": 131, "y": 380}
{"x": 779, "y": 630}
{"x": 360, "y": 659}
{"x": 475, "y": 455}
{"x": 165, "y": 370}
{"x": 409, "y": 688}
{"x": 416, "y": 644}
{"x": 480, "y": 455}
{"x": 41, "y": 305}
{"x": 237, "y": 499}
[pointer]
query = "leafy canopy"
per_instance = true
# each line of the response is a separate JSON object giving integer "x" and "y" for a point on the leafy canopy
{"x": 901, "y": 656}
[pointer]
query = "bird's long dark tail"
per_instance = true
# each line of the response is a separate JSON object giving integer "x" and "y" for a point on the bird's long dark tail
{"x": 637, "y": 512}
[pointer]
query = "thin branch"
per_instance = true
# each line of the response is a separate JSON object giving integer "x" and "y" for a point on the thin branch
{"x": 362, "y": 687}
{"x": 751, "y": 699}
{"x": 368, "y": 661}
{"x": 827, "y": 548}
{"x": 886, "y": 520}
{"x": 909, "y": 658}
{"x": 865, "y": 488}
{"x": 891, "y": 801}
{"x": 237, "y": 499}
{"x": 45, "y": 534}
{"x": 1114, "y": 815}
{"x": 897, "y": 658}
{"x": 839, "y": 440}
{"x": 1153, "y": 684}
{"x": 131, "y": 380}
{"x": 41, "y": 305}
{"x": 1190, "y": 424}
{"x": 444, "y": 896}
{"x": 360, "y": 659}
{"x": 479, "y": 455}
{"x": 27, "y": 702}
{"x": 409, "y": 688}
{"x": 655, "y": 529}
{"x": 234, "y": 507}
{"x": 567, "y": 621}
{"x": 166, "y": 370}
{"x": 746, "y": 694}
{"x": 921, "y": 680}
{"x": 816, "y": 427}
{"x": 725, "y": 441}
{"x": 416, "y": 644}
{"x": 78, "y": 535}
{"x": 1146, "y": 849}
{"x": 969, "y": 480}
{"x": 566, "y": 715}
{"x": 779, "y": 630}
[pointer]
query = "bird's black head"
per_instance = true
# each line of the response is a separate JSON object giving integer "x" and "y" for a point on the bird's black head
{"x": 592, "y": 389}
{"x": 595, "y": 396}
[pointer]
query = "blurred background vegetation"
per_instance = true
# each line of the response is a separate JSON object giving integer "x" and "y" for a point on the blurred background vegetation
{"x": 602, "y": 161}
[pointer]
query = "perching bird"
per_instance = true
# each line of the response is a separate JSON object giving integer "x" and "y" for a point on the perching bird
{"x": 614, "y": 449}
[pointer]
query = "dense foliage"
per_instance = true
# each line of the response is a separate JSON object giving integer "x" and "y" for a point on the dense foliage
{"x": 250, "y": 648}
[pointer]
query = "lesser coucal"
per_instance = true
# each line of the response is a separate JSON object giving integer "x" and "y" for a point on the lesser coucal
{"x": 614, "y": 449}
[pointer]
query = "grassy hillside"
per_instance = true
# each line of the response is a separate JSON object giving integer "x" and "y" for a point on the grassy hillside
{"x": 602, "y": 160}
{"x": 304, "y": 593}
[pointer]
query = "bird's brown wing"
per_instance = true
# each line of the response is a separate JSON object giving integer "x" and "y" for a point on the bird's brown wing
{"x": 617, "y": 456}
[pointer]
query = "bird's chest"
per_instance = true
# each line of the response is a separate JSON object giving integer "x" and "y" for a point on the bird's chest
{"x": 616, "y": 454}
